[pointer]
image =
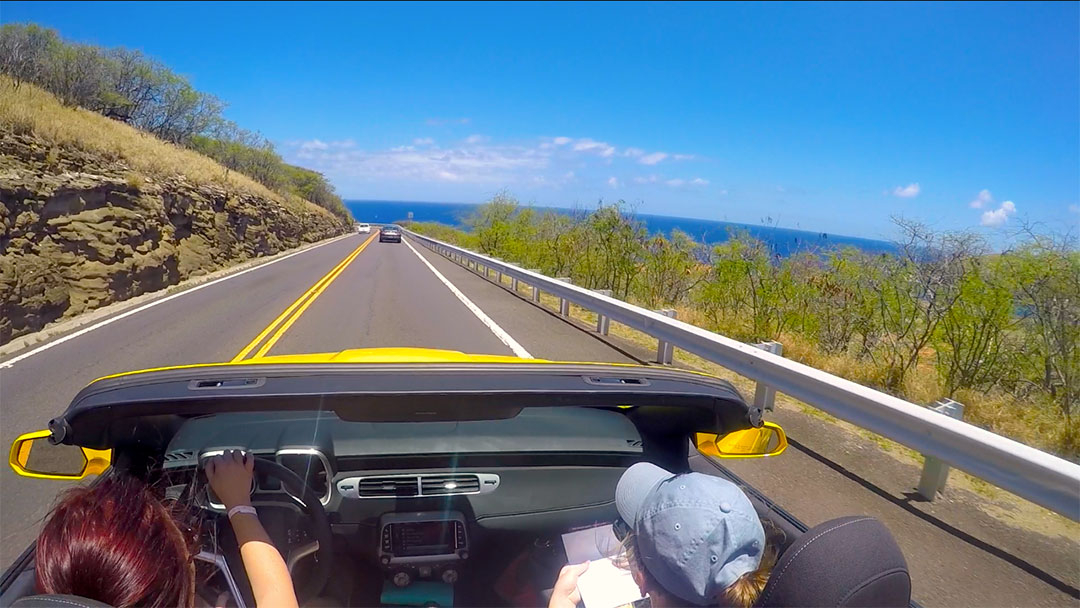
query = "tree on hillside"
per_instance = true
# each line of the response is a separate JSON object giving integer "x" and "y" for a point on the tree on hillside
{"x": 844, "y": 306}
{"x": 670, "y": 269}
{"x": 557, "y": 244}
{"x": 1045, "y": 275}
{"x": 974, "y": 343}
{"x": 78, "y": 75}
{"x": 181, "y": 112}
{"x": 917, "y": 288}
{"x": 135, "y": 84}
{"x": 614, "y": 242}
{"x": 24, "y": 51}
{"x": 491, "y": 224}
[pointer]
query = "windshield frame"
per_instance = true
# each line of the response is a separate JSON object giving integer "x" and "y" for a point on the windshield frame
{"x": 394, "y": 392}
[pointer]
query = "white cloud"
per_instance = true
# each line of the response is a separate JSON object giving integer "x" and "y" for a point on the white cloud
{"x": 999, "y": 216}
{"x": 908, "y": 191}
{"x": 652, "y": 159}
{"x": 1074, "y": 208}
{"x": 477, "y": 163}
{"x": 981, "y": 199}
{"x": 683, "y": 157}
{"x": 679, "y": 182}
{"x": 317, "y": 145}
{"x": 477, "y": 159}
{"x": 723, "y": 192}
{"x": 314, "y": 144}
{"x": 588, "y": 145}
{"x": 553, "y": 182}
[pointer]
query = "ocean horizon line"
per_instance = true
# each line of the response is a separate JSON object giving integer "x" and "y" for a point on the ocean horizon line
{"x": 784, "y": 241}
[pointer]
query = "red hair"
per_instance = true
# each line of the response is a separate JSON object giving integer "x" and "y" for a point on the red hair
{"x": 117, "y": 543}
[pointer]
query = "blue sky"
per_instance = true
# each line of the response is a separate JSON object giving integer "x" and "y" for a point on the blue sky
{"x": 829, "y": 117}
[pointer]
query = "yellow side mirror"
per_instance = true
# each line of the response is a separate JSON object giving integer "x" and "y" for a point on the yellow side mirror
{"x": 768, "y": 440}
{"x": 33, "y": 455}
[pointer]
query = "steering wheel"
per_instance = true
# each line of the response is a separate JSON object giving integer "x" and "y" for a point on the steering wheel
{"x": 318, "y": 576}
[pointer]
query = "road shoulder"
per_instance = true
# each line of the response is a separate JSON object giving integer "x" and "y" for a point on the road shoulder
{"x": 20, "y": 346}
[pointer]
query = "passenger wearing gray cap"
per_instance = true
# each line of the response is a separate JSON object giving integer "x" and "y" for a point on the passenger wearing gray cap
{"x": 690, "y": 539}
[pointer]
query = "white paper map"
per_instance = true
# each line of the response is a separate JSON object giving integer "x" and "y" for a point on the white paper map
{"x": 604, "y": 584}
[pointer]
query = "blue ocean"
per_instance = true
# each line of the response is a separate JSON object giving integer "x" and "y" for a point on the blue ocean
{"x": 783, "y": 241}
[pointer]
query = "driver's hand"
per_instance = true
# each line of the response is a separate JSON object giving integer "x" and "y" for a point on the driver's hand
{"x": 566, "y": 594}
{"x": 230, "y": 477}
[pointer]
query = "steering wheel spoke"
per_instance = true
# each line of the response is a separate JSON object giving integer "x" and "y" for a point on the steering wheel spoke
{"x": 299, "y": 553}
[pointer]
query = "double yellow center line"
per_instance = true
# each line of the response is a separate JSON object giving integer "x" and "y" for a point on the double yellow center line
{"x": 285, "y": 320}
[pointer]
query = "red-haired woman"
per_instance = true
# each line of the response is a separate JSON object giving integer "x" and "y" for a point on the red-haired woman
{"x": 117, "y": 543}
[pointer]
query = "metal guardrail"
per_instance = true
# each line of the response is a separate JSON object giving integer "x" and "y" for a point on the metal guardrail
{"x": 1035, "y": 475}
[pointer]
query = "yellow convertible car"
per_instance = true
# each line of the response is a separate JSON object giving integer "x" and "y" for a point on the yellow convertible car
{"x": 417, "y": 477}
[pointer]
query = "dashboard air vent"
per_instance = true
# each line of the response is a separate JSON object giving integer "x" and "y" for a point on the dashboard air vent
{"x": 179, "y": 456}
{"x": 388, "y": 487}
{"x": 420, "y": 485}
{"x": 441, "y": 485}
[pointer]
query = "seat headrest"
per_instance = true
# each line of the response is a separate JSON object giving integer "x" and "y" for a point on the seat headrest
{"x": 51, "y": 600}
{"x": 849, "y": 561}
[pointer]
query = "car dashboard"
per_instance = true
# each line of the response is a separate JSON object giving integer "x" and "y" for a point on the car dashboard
{"x": 416, "y": 498}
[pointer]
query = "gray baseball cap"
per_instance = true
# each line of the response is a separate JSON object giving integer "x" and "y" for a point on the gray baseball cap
{"x": 694, "y": 533}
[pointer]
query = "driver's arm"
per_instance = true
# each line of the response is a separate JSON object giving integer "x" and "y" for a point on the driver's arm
{"x": 230, "y": 477}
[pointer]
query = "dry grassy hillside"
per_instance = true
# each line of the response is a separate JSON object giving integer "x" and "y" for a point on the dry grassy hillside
{"x": 95, "y": 211}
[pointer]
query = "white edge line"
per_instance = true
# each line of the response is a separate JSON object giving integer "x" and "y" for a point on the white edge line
{"x": 499, "y": 332}
{"x": 103, "y": 323}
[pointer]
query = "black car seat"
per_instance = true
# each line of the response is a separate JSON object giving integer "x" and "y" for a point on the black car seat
{"x": 57, "y": 601}
{"x": 848, "y": 561}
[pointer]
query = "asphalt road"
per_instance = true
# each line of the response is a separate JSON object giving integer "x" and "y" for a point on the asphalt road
{"x": 385, "y": 296}
{"x": 348, "y": 294}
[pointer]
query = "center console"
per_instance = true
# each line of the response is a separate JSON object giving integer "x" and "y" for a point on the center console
{"x": 418, "y": 549}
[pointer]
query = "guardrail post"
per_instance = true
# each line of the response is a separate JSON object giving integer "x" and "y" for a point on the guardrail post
{"x": 603, "y": 322}
{"x": 765, "y": 395}
{"x": 935, "y": 472}
{"x": 535, "y": 288}
{"x": 564, "y": 304}
{"x": 513, "y": 284}
{"x": 665, "y": 352}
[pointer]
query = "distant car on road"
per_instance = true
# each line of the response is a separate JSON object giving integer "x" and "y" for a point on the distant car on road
{"x": 390, "y": 233}
{"x": 363, "y": 228}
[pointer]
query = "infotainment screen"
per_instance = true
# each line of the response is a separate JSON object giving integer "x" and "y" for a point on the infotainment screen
{"x": 423, "y": 538}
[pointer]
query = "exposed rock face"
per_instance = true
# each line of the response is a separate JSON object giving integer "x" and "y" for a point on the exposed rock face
{"x": 79, "y": 231}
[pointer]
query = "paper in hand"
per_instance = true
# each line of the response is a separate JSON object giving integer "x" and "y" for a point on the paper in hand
{"x": 604, "y": 584}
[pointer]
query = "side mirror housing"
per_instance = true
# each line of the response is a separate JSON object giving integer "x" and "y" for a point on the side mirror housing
{"x": 33, "y": 455}
{"x": 767, "y": 440}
